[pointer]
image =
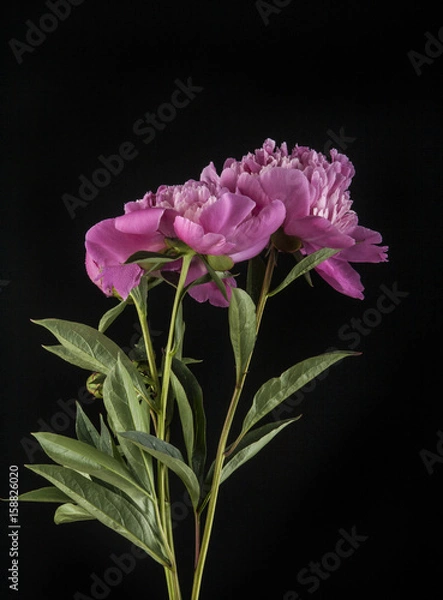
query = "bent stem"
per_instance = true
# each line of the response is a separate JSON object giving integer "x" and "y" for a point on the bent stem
{"x": 221, "y": 450}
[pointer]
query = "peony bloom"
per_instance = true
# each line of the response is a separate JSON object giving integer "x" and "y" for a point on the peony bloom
{"x": 315, "y": 193}
{"x": 210, "y": 222}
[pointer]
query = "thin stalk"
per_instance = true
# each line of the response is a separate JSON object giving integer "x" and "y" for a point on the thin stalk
{"x": 221, "y": 450}
{"x": 197, "y": 537}
{"x": 143, "y": 318}
{"x": 163, "y": 484}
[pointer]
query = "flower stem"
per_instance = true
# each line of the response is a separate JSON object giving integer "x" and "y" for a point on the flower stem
{"x": 143, "y": 318}
{"x": 163, "y": 484}
{"x": 221, "y": 450}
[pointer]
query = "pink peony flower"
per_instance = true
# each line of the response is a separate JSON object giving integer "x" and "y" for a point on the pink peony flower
{"x": 210, "y": 222}
{"x": 317, "y": 201}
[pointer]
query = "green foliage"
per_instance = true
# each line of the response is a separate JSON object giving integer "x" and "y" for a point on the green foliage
{"x": 304, "y": 266}
{"x": 111, "y": 509}
{"x": 276, "y": 390}
{"x": 170, "y": 456}
{"x": 242, "y": 329}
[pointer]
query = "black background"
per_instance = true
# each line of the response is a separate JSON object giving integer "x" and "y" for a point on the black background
{"x": 353, "y": 460}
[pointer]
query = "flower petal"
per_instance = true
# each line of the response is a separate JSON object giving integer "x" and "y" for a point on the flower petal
{"x": 254, "y": 234}
{"x": 318, "y": 231}
{"x": 342, "y": 277}
{"x": 140, "y": 222}
{"x": 195, "y": 237}
{"x": 226, "y": 213}
{"x": 365, "y": 249}
{"x": 290, "y": 186}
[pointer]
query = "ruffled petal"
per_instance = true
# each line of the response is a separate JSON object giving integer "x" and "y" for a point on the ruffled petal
{"x": 195, "y": 237}
{"x": 253, "y": 235}
{"x": 318, "y": 231}
{"x": 342, "y": 277}
{"x": 290, "y": 186}
{"x": 224, "y": 215}
{"x": 366, "y": 249}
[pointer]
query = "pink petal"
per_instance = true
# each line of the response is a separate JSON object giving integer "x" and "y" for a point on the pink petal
{"x": 224, "y": 215}
{"x": 253, "y": 235}
{"x": 365, "y": 249}
{"x": 342, "y": 277}
{"x": 318, "y": 231}
{"x": 290, "y": 186}
{"x": 250, "y": 186}
{"x": 140, "y": 222}
{"x": 194, "y": 236}
{"x": 109, "y": 247}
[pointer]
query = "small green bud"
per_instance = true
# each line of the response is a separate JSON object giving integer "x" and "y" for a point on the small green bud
{"x": 220, "y": 263}
{"x": 94, "y": 384}
{"x": 286, "y": 243}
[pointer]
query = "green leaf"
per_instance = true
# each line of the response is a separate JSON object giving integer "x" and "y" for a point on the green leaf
{"x": 71, "y": 513}
{"x": 255, "y": 277}
{"x": 242, "y": 329}
{"x": 220, "y": 262}
{"x": 252, "y": 443}
{"x": 170, "y": 456}
{"x": 84, "y": 429}
{"x": 179, "y": 332}
{"x": 309, "y": 262}
{"x": 146, "y": 259}
{"x": 110, "y": 316}
{"x": 84, "y": 458}
{"x": 191, "y": 395}
{"x": 106, "y": 443}
{"x": 109, "y": 508}
{"x": 276, "y": 390}
{"x": 215, "y": 277}
{"x": 186, "y": 416}
{"x": 89, "y": 349}
{"x": 44, "y": 494}
{"x": 125, "y": 413}
{"x": 139, "y": 295}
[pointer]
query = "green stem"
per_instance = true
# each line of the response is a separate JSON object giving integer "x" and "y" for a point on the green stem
{"x": 143, "y": 318}
{"x": 221, "y": 450}
{"x": 163, "y": 484}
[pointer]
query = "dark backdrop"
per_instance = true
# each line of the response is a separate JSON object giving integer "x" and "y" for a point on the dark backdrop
{"x": 365, "y": 459}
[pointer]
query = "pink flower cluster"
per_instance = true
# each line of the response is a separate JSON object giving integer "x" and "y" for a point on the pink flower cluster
{"x": 267, "y": 194}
